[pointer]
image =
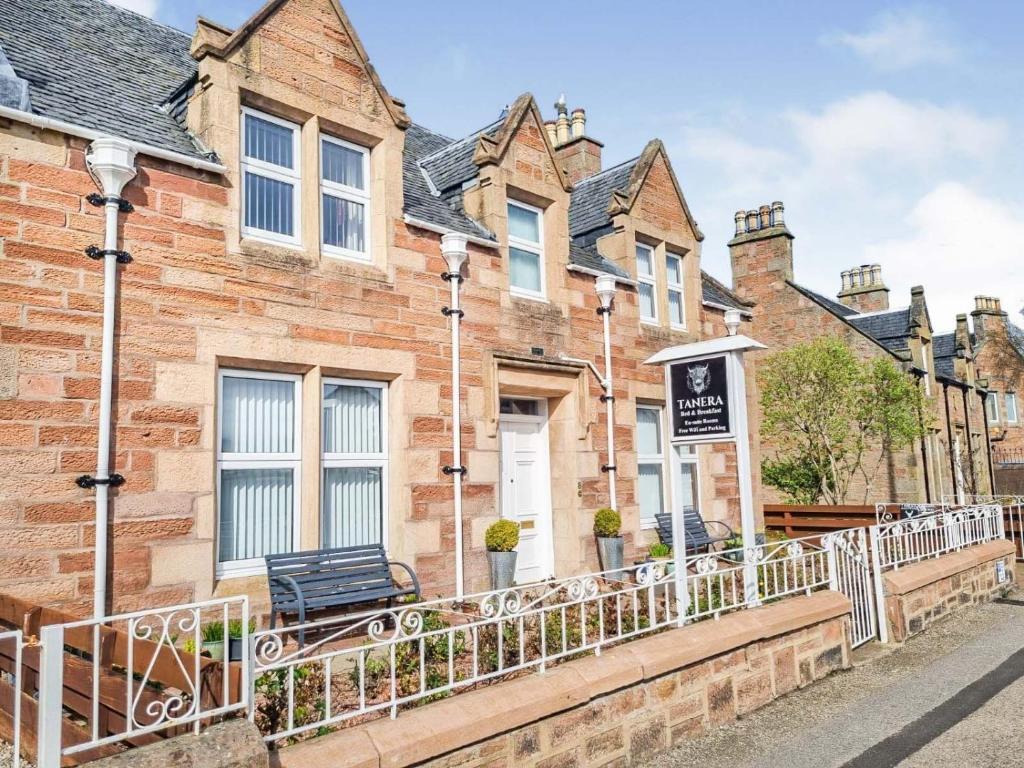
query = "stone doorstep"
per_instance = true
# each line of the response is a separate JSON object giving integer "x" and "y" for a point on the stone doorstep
{"x": 913, "y": 577}
{"x": 474, "y": 716}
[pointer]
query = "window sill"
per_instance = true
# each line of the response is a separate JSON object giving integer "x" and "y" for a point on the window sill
{"x": 537, "y": 297}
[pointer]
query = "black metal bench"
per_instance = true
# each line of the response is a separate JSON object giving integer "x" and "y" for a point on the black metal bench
{"x": 697, "y": 535}
{"x": 324, "y": 579}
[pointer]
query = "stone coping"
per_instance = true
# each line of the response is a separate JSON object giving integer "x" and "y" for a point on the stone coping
{"x": 466, "y": 718}
{"x": 911, "y": 577}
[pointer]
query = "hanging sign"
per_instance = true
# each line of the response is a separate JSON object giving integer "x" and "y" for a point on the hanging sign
{"x": 700, "y": 399}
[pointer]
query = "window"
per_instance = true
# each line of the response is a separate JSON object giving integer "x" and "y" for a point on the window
{"x": 650, "y": 464}
{"x": 992, "y": 407}
{"x": 515, "y": 406}
{"x": 646, "y": 285}
{"x": 258, "y": 463}
{"x": 345, "y": 198}
{"x": 355, "y": 463}
{"x": 270, "y": 178}
{"x": 674, "y": 281}
{"x": 924, "y": 367}
{"x": 525, "y": 250}
{"x": 1011, "y": 408}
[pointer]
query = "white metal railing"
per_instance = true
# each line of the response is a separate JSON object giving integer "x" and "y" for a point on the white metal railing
{"x": 139, "y": 670}
{"x": 1013, "y": 517}
{"x": 913, "y": 539}
{"x": 382, "y": 661}
{"x": 12, "y": 642}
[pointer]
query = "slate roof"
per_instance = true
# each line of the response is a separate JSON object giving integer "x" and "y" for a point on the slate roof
{"x": 715, "y": 292}
{"x": 944, "y": 352}
{"x": 99, "y": 66}
{"x": 1016, "y": 337}
{"x": 891, "y": 329}
{"x": 841, "y": 310}
{"x": 588, "y": 206}
{"x": 450, "y": 165}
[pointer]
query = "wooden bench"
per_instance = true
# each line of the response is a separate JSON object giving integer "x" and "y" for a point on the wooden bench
{"x": 324, "y": 579}
{"x": 697, "y": 535}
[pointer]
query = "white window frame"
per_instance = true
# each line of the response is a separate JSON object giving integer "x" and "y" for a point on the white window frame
{"x": 293, "y": 461}
{"x": 530, "y": 247}
{"x": 672, "y": 287}
{"x": 925, "y": 346}
{"x": 359, "y": 460}
{"x": 992, "y": 407}
{"x": 292, "y": 176}
{"x": 654, "y": 458}
{"x": 1011, "y": 399}
{"x": 345, "y": 192}
{"x": 650, "y": 280}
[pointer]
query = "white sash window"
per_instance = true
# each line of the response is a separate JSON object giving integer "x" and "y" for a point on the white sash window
{"x": 270, "y": 178}
{"x": 647, "y": 286}
{"x": 345, "y": 198}
{"x": 525, "y": 250}
{"x": 650, "y": 464}
{"x": 1011, "y": 407}
{"x": 674, "y": 282}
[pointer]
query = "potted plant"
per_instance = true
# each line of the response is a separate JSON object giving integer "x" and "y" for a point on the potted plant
{"x": 607, "y": 527}
{"x": 235, "y": 638}
{"x": 213, "y": 640}
{"x": 501, "y": 539}
{"x": 661, "y": 553}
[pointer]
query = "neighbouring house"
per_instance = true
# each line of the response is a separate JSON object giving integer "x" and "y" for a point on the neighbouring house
{"x": 283, "y": 365}
{"x": 953, "y": 458}
{"x": 999, "y": 354}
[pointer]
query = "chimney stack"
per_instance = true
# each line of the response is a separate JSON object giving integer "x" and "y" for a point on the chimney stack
{"x": 579, "y": 154}
{"x": 761, "y": 252}
{"x": 863, "y": 289}
{"x": 988, "y": 316}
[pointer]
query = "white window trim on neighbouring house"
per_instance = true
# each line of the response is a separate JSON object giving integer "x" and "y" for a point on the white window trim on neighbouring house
{"x": 924, "y": 367}
{"x": 536, "y": 248}
{"x": 654, "y": 459}
{"x": 1011, "y": 408}
{"x": 992, "y": 407}
{"x": 648, "y": 279}
{"x": 228, "y": 461}
{"x": 352, "y": 194}
{"x": 675, "y": 288}
{"x": 267, "y": 170}
{"x": 378, "y": 460}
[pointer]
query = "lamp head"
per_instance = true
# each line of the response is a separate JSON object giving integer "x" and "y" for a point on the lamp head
{"x": 732, "y": 321}
{"x": 605, "y": 287}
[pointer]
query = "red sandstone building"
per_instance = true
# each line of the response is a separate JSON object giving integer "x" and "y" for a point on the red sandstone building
{"x": 953, "y": 460}
{"x": 282, "y": 363}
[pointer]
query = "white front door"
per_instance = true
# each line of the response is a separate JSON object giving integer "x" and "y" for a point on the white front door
{"x": 526, "y": 484}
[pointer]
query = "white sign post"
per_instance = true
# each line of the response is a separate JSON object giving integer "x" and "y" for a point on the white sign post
{"x": 707, "y": 397}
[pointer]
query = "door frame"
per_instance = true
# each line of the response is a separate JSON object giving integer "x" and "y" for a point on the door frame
{"x": 546, "y": 519}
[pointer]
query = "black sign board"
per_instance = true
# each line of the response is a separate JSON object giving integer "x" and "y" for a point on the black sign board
{"x": 700, "y": 399}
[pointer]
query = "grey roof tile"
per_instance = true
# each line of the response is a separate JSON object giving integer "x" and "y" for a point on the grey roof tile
{"x": 589, "y": 258}
{"x": 451, "y": 165}
{"x": 944, "y": 352}
{"x": 588, "y": 206}
{"x": 892, "y": 329}
{"x": 93, "y": 64}
{"x": 832, "y": 306}
{"x": 715, "y": 292}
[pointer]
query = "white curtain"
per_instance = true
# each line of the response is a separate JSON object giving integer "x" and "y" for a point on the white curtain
{"x": 257, "y": 512}
{"x": 344, "y": 223}
{"x": 269, "y": 142}
{"x": 342, "y": 165}
{"x": 258, "y": 416}
{"x": 524, "y": 270}
{"x": 268, "y": 204}
{"x": 352, "y": 419}
{"x": 353, "y": 503}
{"x": 649, "y": 491}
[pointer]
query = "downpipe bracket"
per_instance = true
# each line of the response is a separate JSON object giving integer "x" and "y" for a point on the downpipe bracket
{"x": 88, "y": 481}
{"x": 449, "y": 470}
{"x": 94, "y": 253}
{"x": 608, "y": 468}
{"x": 95, "y": 198}
{"x": 449, "y": 276}
{"x": 447, "y": 312}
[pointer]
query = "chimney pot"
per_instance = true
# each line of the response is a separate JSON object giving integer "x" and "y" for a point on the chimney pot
{"x": 741, "y": 222}
{"x": 765, "y": 213}
{"x": 579, "y": 122}
{"x": 549, "y": 127}
{"x": 778, "y": 220}
{"x": 752, "y": 221}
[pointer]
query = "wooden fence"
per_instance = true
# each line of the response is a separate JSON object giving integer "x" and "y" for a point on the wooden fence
{"x": 815, "y": 519}
{"x": 166, "y": 679}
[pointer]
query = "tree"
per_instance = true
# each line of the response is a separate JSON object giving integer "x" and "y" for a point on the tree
{"x": 832, "y": 418}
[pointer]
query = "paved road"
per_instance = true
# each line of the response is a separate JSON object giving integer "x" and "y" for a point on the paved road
{"x": 953, "y": 696}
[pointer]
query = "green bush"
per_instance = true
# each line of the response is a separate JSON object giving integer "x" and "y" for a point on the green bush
{"x": 235, "y": 628}
{"x": 659, "y": 549}
{"x": 213, "y": 632}
{"x": 502, "y": 536}
{"x": 607, "y": 523}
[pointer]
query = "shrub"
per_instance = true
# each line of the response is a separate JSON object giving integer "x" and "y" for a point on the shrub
{"x": 659, "y": 550}
{"x": 235, "y": 628}
{"x": 213, "y": 632}
{"x": 502, "y": 536}
{"x": 607, "y": 523}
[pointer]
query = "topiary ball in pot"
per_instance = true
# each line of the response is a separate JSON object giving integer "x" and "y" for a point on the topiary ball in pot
{"x": 501, "y": 540}
{"x": 607, "y": 527}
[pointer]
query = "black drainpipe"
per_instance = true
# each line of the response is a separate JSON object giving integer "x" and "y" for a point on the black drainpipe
{"x": 988, "y": 441}
{"x": 949, "y": 436}
{"x": 967, "y": 429}
{"x": 924, "y": 449}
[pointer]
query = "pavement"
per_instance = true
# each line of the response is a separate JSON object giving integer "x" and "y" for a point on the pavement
{"x": 952, "y": 696}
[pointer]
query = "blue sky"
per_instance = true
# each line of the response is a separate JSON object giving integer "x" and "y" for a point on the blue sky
{"x": 890, "y": 131}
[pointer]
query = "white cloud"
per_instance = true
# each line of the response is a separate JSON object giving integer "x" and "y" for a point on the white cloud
{"x": 898, "y": 40}
{"x": 145, "y": 7}
{"x": 878, "y": 127}
{"x": 959, "y": 244}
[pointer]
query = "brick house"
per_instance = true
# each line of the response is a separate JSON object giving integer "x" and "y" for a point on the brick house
{"x": 786, "y": 312}
{"x": 282, "y": 371}
{"x": 999, "y": 355}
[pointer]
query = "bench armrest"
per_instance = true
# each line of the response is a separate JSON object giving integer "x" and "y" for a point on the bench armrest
{"x": 291, "y": 584}
{"x": 731, "y": 533}
{"x": 412, "y": 575}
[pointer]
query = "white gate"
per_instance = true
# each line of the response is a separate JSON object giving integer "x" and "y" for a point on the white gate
{"x": 850, "y": 574}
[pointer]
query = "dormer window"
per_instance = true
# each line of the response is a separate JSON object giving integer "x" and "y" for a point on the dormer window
{"x": 270, "y": 178}
{"x": 646, "y": 284}
{"x": 526, "y": 250}
{"x": 344, "y": 198}
{"x": 674, "y": 283}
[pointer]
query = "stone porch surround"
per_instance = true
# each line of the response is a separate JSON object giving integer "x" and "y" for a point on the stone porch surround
{"x": 617, "y": 709}
{"x": 918, "y": 595}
